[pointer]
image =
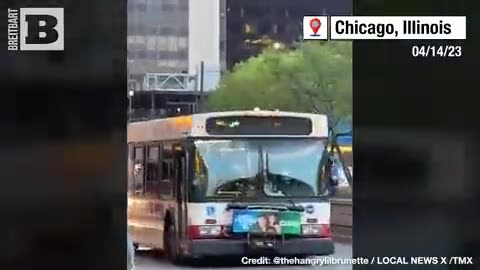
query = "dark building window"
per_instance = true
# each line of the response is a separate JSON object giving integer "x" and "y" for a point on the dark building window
{"x": 168, "y": 7}
{"x": 279, "y": 12}
{"x": 152, "y": 30}
{"x": 183, "y": 6}
{"x": 183, "y": 31}
{"x": 138, "y": 29}
{"x": 151, "y": 54}
{"x": 281, "y": 28}
{"x": 257, "y": 12}
{"x": 142, "y": 7}
{"x": 142, "y": 54}
{"x": 222, "y": 45}
{"x": 182, "y": 54}
{"x": 235, "y": 27}
{"x": 299, "y": 12}
{"x": 172, "y": 55}
{"x": 264, "y": 27}
{"x": 167, "y": 31}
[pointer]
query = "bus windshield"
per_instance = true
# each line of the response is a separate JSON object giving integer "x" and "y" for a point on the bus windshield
{"x": 256, "y": 167}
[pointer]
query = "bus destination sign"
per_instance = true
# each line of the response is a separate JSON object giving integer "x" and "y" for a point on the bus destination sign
{"x": 258, "y": 125}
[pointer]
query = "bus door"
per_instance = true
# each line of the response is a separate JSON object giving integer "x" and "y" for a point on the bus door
{"x": 179, "y": 164}
{"x": 138, "y": 172}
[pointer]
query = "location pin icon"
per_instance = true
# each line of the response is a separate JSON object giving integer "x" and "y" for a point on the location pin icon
{"x": 315, "y": 25}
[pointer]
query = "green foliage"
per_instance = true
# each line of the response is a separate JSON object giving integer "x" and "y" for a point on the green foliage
{"x": 317, "y": 77}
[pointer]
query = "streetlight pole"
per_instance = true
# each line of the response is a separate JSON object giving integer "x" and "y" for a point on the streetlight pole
{"x": 131, "y": 93}
{"x": 202, "y": 71}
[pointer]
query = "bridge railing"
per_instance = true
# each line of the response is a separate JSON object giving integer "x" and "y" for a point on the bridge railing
{"x": 341, "y": 218}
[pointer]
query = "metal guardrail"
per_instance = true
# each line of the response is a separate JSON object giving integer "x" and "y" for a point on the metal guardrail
{"x": 341, "y": 218}
{"x": 147, "y": 114}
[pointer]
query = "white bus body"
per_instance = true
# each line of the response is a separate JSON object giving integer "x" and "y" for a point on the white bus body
{"x": 168, "y": 209}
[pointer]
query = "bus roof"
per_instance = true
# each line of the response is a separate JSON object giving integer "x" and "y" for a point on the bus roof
{"x": 195, "y": 126}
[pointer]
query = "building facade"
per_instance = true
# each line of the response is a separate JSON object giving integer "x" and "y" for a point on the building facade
{"x": 253, "y": 25}
{"x": 173, "y": 38}
{"x": 157, "y": 36}
{"x": 168, "y": 43}
{"x": 207, "y": 37}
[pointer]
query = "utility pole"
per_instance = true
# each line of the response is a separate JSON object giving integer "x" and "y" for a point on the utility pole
{"x": 152, "y": 104}
{"x": 201, "y": 78}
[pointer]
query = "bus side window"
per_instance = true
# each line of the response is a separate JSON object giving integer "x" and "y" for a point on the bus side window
{"x": 166, "y": 183}
{"x": 139, "y": 169}
{"x": 152, "y": 178}
{"x": 131, "y": 158}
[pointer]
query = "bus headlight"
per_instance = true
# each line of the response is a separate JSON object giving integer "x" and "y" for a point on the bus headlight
{"x": 209, "y": 230}
{"x": 204, "y": 231}
{"x": 311, "y": 229}
{"x": 317, "y": 230}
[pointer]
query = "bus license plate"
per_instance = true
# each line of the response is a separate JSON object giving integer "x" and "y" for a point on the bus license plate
{"x": 263, "y": 244}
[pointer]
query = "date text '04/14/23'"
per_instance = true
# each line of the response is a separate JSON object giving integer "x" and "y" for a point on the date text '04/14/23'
{"x": 449, "y": 51}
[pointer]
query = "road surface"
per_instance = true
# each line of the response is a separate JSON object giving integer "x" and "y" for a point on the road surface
{"x": 146, "y": 260}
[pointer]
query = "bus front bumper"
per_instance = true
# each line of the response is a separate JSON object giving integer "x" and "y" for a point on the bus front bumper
{"x": 292, "y": 247}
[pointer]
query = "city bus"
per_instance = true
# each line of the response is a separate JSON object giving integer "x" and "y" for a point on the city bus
{"x": 230, "y": 184}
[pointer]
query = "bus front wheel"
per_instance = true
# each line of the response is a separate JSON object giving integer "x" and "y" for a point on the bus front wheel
{"x": 170, "y": 244}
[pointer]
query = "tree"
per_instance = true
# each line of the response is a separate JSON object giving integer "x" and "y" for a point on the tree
{"x": 317, "y": 77}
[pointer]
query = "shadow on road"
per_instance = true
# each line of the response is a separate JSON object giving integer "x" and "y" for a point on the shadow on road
{"x": 217, "y": 262}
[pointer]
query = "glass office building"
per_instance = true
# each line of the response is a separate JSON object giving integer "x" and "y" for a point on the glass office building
{"x": 157, "y": 36}
{"x": 157, "y": 43}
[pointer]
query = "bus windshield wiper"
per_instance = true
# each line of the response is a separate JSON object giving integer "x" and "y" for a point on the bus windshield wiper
{"x": 239, "y": 201}
{"x": 294, "y": 207}
{"x": 243, "y": 192}
{"x": 265, "y": 173}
